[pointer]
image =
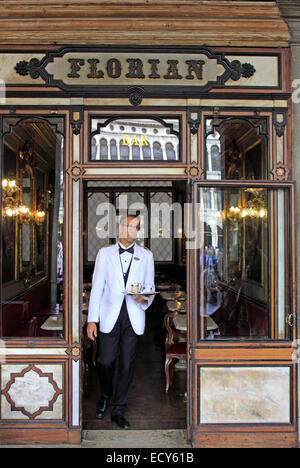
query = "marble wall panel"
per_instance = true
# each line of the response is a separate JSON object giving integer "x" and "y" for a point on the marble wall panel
{"x": 30, "y": 392}
{"x": 244, "y": 395}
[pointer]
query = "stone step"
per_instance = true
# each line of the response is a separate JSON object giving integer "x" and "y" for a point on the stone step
{"x": 135, "y": 439}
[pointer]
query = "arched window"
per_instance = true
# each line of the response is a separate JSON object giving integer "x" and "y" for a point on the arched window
{"x": 124, "y": 151}
{"x": 103, "y": 149}
{"x": 136, "y": 152}
{"x": 113, "y": 149}
{"x": 170, "y": 151}
{"x": 215, "y": 158}
{"x": 94, "y": 148}
{"x": 236, "y": 149}
{"x": 157, "y": 151}
{"x": 147, "y": 153}
{"x": 138, "y": 134}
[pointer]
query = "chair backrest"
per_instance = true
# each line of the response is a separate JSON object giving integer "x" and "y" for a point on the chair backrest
{"x": 170, "y": 327}
{"x": 32, "y": 327}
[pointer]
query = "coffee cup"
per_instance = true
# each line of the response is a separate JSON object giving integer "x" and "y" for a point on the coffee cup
{"x": 135, "y": 288}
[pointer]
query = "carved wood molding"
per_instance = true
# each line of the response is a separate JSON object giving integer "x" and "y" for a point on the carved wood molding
{"x": 194, "y": 123}
{"x": 118, "y": 81}
{"x": 136, "y": 96}
{"x": 194, "y": 171}
{"x": 280, "y": 172}
{"x": 74, "y": 351}
{"x": 20, "y": 375}
{"x": 76, "y": 171}
{"x": 152, "y": 22}
{"x": 279, "y": 124}
{"x": 76, "y": 120}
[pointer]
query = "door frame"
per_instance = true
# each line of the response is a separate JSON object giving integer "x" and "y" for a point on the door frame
{"x": 67, "y": 352}
{"x": 239, "y": 353}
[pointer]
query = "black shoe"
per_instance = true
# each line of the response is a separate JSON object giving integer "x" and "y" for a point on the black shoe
{"x": 101, "y": 408}
{"x": 120, "y": 421}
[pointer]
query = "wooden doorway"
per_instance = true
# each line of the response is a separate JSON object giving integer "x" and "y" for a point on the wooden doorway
{"x": 150, "y": 406}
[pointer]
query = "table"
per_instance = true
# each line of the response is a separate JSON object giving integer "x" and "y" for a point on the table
{"x": 176, "y": 305}
{"x": 168, "y": 295}
{"x": 163, "y": 286}
{"x": 167, "y": 286}
{"x": 180, "y": 322}
{"x": 54, "y": 322}
{"x": 211, "y": 324}
{"x": 180, "y": 295}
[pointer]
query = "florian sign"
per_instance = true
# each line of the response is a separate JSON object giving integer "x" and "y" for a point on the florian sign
{"x": 155, "y": 71}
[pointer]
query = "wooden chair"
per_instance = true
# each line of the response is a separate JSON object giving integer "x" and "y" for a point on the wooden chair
{"x": 32, "y": 327}
{"x": 174, "y": 349}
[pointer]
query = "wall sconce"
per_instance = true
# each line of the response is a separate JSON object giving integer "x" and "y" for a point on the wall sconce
{"x": 26, "y": 152}
{"x": 10, "y": 203}
{"x": 9, "y": 187}
{"x": 24, "y": 214}
{"x": 39, "y": 216}
{"x": 233, "y": 214}
{"x": 236, "y": 214}
{"x": 40, "y": 213}
{"x": 254, "y": 213}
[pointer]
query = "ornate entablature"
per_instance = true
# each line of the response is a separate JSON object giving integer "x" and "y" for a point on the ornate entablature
{"x": 139, "y": 72}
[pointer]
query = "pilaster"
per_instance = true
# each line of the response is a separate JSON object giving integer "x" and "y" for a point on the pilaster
{"x": 290, "y": 12}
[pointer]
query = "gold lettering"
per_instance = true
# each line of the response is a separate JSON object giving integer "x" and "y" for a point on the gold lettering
{"x": 144, "y": 141}
{"x": 125, "y": 141}
{"x": 134, "y": 141}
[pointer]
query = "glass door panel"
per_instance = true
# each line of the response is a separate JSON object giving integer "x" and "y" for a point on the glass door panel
{"x": 244, "y": 263}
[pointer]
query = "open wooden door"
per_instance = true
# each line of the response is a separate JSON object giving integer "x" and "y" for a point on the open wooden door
{"x": 242, "y": 327}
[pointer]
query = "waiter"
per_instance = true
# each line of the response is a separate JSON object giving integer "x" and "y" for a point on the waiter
{"x": 119, "y": 319}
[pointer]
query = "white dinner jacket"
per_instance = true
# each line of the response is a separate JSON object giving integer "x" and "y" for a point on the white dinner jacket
{"x": 107, "y": 296}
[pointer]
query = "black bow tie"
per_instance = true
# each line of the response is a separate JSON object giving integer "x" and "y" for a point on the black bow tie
{"x": 130, "y": 250}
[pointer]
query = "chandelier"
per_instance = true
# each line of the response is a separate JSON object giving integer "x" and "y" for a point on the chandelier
{"x": 254, "y": 208}
{"x": 9, "y": 199}
{"x": 12, "y": 208}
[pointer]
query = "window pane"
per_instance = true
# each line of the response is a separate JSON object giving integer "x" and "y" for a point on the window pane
{"x": 137, "y": 139}
{"x": 236, "y": 259}
{"x": 161, "y": 226}
{"x": 98, "y": 233}
{"x": 32, "y": 231}
{"x": 236, "y": 149}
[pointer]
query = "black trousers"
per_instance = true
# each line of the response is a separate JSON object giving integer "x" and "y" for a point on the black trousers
{"x": 120, "y": 343}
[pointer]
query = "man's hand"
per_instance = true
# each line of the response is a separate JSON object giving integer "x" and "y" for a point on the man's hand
{"x": 92, "y": 331}
{"x": 140, "y": 300}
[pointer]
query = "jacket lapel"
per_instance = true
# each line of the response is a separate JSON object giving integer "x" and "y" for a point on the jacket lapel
{"x": 136, "y": 260}
{"x": 115, "y": 258}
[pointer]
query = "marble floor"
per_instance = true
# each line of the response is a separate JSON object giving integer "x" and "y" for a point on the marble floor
{"x": 149, "y": 407}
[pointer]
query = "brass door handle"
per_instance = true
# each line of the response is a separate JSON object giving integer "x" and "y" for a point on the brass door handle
{"x": 290, "y": 320}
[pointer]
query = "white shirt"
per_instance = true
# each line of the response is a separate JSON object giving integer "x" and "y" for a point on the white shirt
{"x": 125, "y": 258}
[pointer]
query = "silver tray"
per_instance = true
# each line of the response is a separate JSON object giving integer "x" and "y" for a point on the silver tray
{"x": 152, "y": 293}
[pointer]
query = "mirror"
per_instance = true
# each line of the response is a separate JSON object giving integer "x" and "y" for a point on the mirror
{"x": 25, "y": 220}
